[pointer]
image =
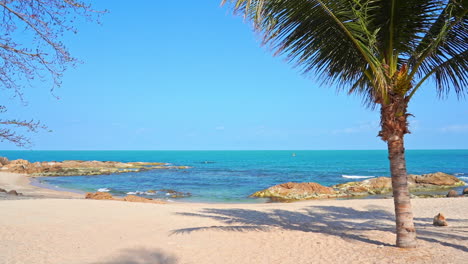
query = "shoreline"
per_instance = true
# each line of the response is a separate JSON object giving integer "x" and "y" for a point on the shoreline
{"x": 57, "y": 229}
{"x": 31, "y": 187}
{"x": 36, "y": 182}
{"x": 425, "y": 185}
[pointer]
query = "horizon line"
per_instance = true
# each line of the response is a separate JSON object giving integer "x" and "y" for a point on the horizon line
{"x": 220, "y": 149}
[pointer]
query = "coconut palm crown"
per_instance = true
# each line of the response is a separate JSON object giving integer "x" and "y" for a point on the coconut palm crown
{"x": 383, "y": 50}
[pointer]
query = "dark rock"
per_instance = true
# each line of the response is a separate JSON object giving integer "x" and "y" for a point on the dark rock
{"x": 452, "y": 193}
{"x": 4, "y": 161}
{"x": 439, "y": 220}
{"x": 465, "y": 191}
{"x": 13, "y": 192}
{"x": 3, "y": 190}
{"x": 175, "y": 194}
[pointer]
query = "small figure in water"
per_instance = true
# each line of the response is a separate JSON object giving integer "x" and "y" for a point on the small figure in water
{"x": 294, "y": 154}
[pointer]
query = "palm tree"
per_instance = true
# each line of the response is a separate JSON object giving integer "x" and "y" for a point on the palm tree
{"x": 383, "y": 50}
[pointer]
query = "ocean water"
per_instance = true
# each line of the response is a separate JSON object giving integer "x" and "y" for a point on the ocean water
{"x": 231, "y": 176}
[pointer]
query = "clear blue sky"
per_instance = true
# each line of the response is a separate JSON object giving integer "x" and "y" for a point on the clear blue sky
{"x": 165, "y": 75}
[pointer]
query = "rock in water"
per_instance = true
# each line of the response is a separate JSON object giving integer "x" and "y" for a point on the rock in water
{"x": 175, "y": 194}
{"x": 452, "y": 193}
{"x": 99, "y": 196}
{"x": 416, "y": 183}
{"x": 437, "y": 179}
{"x": 291, "y": 191}
{"x": 465, "y": 191}
{"x": 79, "y": 167}
{"x": 12, "y": 192}
{"x": 439, "y": 220}
{"x": 378, "y": 185}
{"x": 3, "y": 190}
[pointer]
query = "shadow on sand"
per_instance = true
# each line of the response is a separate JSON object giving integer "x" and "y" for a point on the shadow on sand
{"x": 343, "y": 222}
{"x": 142, "y": 256}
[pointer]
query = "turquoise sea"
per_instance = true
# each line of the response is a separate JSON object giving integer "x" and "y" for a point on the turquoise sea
{"x": 231, "y": 176}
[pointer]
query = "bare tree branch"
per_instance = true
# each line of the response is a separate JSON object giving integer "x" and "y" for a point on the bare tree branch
{"x": 31, "y": 51}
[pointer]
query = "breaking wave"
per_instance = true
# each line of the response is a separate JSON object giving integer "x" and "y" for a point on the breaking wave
{"x": 356, "y": 176}
{"x": 142, "y": 193}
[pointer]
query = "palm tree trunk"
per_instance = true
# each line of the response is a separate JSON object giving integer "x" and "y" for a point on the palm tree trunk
{"x": 394, "y": 127}
{"x": 406, "y": 233}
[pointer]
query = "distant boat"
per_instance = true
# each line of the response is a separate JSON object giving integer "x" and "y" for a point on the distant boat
{"x": 294, "y": 155}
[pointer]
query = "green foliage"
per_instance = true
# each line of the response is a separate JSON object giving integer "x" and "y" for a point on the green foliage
{"x": 369, "y": 47}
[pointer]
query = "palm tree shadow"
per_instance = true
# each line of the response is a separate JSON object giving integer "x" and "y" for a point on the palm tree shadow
{"x": 142, "y": 256}
{"x": 343, "y": 222}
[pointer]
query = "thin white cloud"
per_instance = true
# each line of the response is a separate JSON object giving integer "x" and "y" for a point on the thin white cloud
{"x": 142, "y": 130}
{"x": 361, "y": 127}
{"x": 414, "y": 125}
{"x": 455, "y": 128}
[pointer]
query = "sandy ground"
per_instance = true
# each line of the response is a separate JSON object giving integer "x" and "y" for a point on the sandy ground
{"x": 23, "y": 184}
{"x": 320, "y": 231}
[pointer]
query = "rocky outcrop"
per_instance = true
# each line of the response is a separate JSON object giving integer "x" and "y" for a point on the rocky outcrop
{"x": 78, "y": 167}
{"x": 382, "y": 185}
{"x": 372, "y": 186}
{"x": 99, "y": 196}
{"x": 439, "y": 220}
{"x": 138, "y": 199}
{"x": 10, "y": 192}
{"x": 465, "y": 191}
{"x": 128, "y": 198}
{"x": 452, "y": 193}
{"x": 292, "y": 191}
{"x": 416, "y": 183}
{"x": 14, "y": 192}
{"x": 435, "y": 180}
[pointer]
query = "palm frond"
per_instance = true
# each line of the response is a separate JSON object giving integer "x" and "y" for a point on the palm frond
{"x": 368, "y": 46}
{"x": 331, "y": 39}
{"x": 450, "y": 73}
{"x": 442, "y": 51}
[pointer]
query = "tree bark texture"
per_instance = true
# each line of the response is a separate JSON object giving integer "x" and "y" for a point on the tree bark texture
{"x": 394, "y": 126}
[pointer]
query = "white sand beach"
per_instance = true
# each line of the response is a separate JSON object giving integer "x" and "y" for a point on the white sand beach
{"x": 55, "y": 230}
{"x": 23, "y": 184}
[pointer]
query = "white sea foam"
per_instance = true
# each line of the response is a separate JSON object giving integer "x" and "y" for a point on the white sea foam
{"x": 103, "y": 190}
{"x": 140, "y": 193}
{"x": 459, "y": 174}
{"x": 356, "y": 176}
{"x": 464, "y": 178}
{"x": 136, "y": 192}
